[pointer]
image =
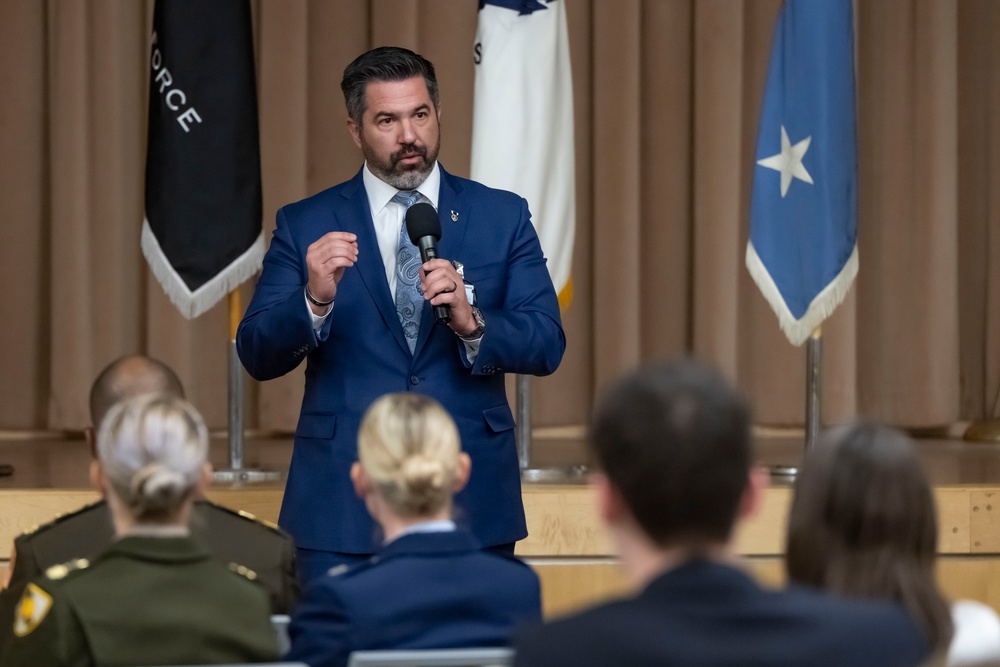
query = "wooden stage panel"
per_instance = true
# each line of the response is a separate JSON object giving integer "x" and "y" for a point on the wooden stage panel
{"x": 562, "y": 521}
{"x": 573, "y": 556}
{"x": 569, "y": 585}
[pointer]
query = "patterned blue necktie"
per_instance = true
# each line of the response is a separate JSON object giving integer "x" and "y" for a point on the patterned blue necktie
{"x": 409, "y": 299}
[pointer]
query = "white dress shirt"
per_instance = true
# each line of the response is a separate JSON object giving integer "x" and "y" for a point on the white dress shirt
{"x": 388, "y": 217}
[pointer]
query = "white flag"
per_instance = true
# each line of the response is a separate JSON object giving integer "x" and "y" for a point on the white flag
{"x": 522, "y": 125}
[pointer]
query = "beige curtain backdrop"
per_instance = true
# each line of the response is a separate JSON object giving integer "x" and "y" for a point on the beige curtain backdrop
{"x": 667, "y": 95}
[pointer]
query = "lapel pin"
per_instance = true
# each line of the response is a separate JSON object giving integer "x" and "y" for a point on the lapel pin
{"x": 454, "y": 216}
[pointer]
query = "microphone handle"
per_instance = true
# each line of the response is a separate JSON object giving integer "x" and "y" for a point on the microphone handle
{"x": 428, "y": 251}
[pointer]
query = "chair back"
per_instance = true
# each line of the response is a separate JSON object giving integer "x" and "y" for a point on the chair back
{"x": 452, "y": 657}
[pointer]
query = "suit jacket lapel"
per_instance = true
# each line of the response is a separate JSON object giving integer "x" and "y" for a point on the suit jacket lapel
{"x": 453, "y": 213}
{"x": 358, "y": 220}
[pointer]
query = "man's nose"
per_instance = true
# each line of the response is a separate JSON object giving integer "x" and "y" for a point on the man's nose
{"x": 407, "y": 132}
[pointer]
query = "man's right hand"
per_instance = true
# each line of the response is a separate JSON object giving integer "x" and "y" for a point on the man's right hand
{"x": 326, "y": 260}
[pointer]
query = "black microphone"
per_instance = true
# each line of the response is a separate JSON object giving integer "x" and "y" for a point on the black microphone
{"x": 424, "y": 229}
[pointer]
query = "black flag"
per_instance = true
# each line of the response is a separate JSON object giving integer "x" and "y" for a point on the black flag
{"x": 202, "y": 235}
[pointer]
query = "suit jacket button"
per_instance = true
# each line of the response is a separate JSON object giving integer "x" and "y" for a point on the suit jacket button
{"x": 414, "y": 379}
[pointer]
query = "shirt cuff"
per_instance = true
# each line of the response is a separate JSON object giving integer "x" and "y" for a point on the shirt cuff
{"x": 472, "y": 349}
{"x": 318, "y": 320}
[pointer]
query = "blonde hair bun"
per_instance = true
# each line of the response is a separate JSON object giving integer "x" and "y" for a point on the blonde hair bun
{"x": 409, "y": 447}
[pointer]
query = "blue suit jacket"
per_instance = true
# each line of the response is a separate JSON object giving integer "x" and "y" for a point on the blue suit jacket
{"x": 423, "y": 590}
{"x": 361, "y": 354}
{"x": 707, "y": 614}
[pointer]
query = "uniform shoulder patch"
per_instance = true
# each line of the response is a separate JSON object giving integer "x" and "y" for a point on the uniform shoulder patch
{"x": 243, "y": 570}
{"x": 32, "y": 609}
{"x": 60, "y": 571}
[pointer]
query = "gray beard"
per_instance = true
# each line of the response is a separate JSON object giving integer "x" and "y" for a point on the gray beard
{"x": 406, "y": 180}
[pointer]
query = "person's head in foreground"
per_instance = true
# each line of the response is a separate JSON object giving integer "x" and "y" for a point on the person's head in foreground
{"x": 155, "y": 596}
{"x": 863, "y": 524}
{"x": 410, "y": 461}
{"x": 125, "y": 377}
{"x": 673, "y": 445}
{"x": 151, "y": 463}
{"x": 431, "y": 585}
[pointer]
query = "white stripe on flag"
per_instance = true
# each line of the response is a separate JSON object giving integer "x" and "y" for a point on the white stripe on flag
{"x": 192, "y": 304}
{"x": 522, "y": 129}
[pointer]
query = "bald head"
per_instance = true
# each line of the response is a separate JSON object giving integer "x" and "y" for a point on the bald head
{"x": 127, "y": 377}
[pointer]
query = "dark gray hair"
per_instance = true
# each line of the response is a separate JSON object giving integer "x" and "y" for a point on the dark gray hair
{"x": 386, "y": 63}
{"x": 674, "y": 439}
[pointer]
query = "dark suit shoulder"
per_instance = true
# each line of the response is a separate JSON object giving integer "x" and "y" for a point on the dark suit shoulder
{"x": 239, "y": 537}
{"x": 324, "y": 200}
{"x": 480, "y": 191}
{"x": 97, "y": 511}
{"x": 216, "y": 515}
{"x": 697, "y": 626}
{"x": 80, "y": 534}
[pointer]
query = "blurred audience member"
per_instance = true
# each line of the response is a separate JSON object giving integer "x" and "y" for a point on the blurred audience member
{"x": 430, "y": 585}
{"x": 156, "y": 596}
{"x": 863, "y": 524}
{"x": 229, "y": 535}
{"x": 673, "y": 443}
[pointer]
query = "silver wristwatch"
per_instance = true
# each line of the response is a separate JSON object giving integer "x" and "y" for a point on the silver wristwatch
{"x": 476, "y": 333}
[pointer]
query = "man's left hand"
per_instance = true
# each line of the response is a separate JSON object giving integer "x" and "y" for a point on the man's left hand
{"x": 443, "y": 286}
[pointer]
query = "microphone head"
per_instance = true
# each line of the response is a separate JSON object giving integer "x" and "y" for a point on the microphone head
{"x": 422, "y": 220}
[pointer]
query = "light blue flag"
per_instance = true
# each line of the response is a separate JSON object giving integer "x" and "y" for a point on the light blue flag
{"x": 803, "y": 251}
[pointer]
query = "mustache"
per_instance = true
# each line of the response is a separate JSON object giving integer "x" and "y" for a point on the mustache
{"x": 408, "y": 150}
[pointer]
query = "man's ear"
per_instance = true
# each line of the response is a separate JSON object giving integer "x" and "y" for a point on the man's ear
{"x": 362, "y": 483}
{"x": 610, "y": 505}
{"x": 204, "y": 480}
{"x": 91, "y": 437}
{"x": 462, "y": 472}
{"x": 758, "y": 480}
{"x": 355, "y": 131}
{"x": 97, "y": 479}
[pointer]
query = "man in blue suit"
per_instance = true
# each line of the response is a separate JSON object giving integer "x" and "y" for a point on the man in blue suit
{"x": 337, "y": 290}
{"x": 673, "y": 442}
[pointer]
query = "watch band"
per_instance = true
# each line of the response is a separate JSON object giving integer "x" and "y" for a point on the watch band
{"x": 476, "y": 333}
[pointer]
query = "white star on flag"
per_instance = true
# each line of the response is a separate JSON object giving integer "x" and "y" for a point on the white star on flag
{"x": 789, "y": 161}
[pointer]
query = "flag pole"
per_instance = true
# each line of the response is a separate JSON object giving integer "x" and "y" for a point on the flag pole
{"x": 235, "y": 386}
{"x": 573, "y": 474}
{"x": 814, "y": 363}
{"x": 237, "y": 473}
{"x": 814, "y": 366}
